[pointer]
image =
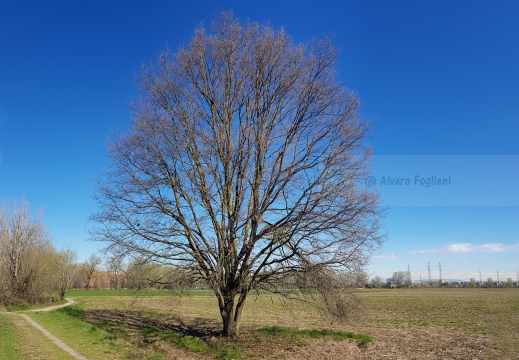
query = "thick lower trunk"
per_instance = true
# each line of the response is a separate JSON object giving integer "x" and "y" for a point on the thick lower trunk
{"x": 229, "y": 326}
{"x": 227, "y": 313}
{"x": 231, "y": 314}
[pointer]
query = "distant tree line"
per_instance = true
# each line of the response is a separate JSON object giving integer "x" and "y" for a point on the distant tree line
{"x": 30, "y": 266}
{"x": 403, "y": 279}
{"x": 32, "y": 269}
{"x": 135, "y": 274}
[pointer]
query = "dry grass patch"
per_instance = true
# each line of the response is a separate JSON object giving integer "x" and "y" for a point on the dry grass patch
{"x": 404, "y": 324}
{"x": 490, "y": 314}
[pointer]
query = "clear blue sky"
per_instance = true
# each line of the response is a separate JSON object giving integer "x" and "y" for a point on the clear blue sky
{"x": 439, "y": 78}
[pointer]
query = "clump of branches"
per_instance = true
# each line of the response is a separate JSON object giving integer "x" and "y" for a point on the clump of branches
{"x": 320, "y": 287}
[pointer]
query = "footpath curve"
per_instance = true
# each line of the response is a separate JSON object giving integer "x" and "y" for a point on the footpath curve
{"x": 45, "y": 332}
{"x": 55, "y": 307}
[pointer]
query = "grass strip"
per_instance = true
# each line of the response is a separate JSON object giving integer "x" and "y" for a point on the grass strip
{"x": 68, "y": 325}
{"x": 22, "y": 341}
{"x": 9, "y": 341}
{"x": 137, "y": 293}
{"x": 220, "y": 350}
{"x": 362, "y": 340}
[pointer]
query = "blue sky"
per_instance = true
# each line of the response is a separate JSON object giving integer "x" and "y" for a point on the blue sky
{"x": 439, "y": 79}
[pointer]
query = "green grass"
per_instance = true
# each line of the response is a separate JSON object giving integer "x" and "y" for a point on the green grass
{"x": 75, "y": 311}
{"x": 42, "y": 306}
{"x": 224, "y": 350}
{"x": 140, "y": 293}
{"x": 20, "y": 340}
{"x": 9, "y": 341}
{"x": 293, "y": 332}
{"x": 24, "y": 306}
{"x": 68, "y": 325}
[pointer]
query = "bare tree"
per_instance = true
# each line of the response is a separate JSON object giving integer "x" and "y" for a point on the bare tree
{"x": 114, "y": 266}
{"x": 376, "y": 282}
{"x": 89, "y": 267}
{"x": 245, "y": 165}
{"x": 401, "y": 279}
{"x": 65, "y": 270}
{"x": 24, "y": 244}
{"x": 408, "y": 279}
{"x": 361, "y": 278}
{"x": 398, "y": 278}
{"x": 139, "y": 274}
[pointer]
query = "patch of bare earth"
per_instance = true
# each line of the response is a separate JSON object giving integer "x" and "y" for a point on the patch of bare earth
{"x": 411, "y": 343}
{"x": 424, "y": 343}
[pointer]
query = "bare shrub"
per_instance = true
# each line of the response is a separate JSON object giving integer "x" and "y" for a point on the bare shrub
{"x": 25, "y": 247}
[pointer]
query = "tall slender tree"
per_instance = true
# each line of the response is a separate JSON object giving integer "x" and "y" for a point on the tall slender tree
{"x": 89, "y": 267}
{"x": 65, "y": 270}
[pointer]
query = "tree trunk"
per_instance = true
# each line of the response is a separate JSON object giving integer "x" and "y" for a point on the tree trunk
{"x": 227, "y": 313}
{"x": 231, "y": 314}
{"x": 239, "y": 307}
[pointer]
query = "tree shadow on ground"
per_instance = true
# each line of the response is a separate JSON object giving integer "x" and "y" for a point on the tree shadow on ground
{"x": 135, "y": 321}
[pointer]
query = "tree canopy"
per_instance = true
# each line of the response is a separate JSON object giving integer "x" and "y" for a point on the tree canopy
{"x": 245, "y": 164}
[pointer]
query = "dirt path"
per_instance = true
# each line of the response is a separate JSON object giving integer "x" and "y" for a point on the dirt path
{"x": 45, "y": 332}
{"x": 55, "y": 307}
